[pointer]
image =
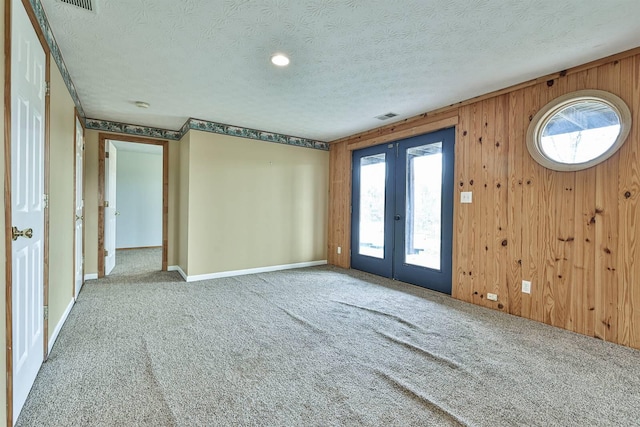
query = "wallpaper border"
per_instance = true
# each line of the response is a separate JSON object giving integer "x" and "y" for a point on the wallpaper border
{"x": 205, "y": 126}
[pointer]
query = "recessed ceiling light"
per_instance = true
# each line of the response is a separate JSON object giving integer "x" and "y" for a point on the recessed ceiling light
{"x": 280, "y": 60}
{"x": 142, "y": 104}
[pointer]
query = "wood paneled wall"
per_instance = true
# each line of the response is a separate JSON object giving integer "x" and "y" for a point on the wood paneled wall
{"x": 572, "y": 234}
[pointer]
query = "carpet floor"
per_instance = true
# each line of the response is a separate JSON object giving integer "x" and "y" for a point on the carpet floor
{"x": 318, "y": 347}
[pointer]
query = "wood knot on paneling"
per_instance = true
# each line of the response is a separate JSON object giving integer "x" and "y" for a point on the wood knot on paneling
{"x": 607, "y": 251}
{"x": 627, "y": 194}
{"x": 465, "y": 133}
{"x": 599, "y": 211}
{"x": 471, "y": 182}
{"x": 504, "y": 242}
{"x": 500, "y": 306}
{"x": 498, "y": 185}
{"x": 480, "y": 140}
{"x": 550, "y": 83}
{"x": 497, "y": 144}
{"x": 461, "y": 184}
{"x": 563, "y": 73}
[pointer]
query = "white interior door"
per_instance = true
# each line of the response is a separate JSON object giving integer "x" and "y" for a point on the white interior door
{"x": 28, "y": 65}
{"x": 110, "y": 208}
{"x": 79, "y": 215}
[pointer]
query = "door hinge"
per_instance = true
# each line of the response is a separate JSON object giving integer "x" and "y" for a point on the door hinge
{"x": 45, "y": 200}
{"x": 82, "y": 147}
{"x": 106, "y": 155}
{"x": 46, "y": 312}
{"x": 106, "y": 253}
{"x": 106, "y": 203}
{"x": 47, "y": 88}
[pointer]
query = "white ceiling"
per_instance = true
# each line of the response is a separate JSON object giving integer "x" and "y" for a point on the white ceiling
{"x": 351, "y": 60}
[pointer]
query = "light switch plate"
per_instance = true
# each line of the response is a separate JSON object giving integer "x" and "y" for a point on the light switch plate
{"x": 466, "y": 197}
{"x": 526, "y": 287}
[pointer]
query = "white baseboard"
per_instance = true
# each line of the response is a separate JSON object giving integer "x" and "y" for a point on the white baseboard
{"x": 91, "y": 276}
{"x": 250, "y": 271}
{"x": 178, "y": 269}
{"x": 56, "y": 331}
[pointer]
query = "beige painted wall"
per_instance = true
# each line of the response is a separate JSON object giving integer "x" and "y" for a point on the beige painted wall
{"x": 174, "y": 170}
{"x": 254, "y": 204}
{"x": 3, "y": 253}
{"x": 61, "y": 198}
{"x": 91, "y": 202}
{"x": 183, "y": 203}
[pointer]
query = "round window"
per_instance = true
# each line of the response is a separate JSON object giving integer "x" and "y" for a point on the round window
{"x": 578, "y": 130}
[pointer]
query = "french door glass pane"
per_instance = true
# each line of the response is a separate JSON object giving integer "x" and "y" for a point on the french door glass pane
{"x": 423, "y": 216}
{"x": 372, "y": 197}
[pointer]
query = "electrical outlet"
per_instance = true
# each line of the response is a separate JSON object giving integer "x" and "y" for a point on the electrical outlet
{"x": 526, "y": 287}
{"x": 466, "y": 197}
{"x": 339, "y": 250}
{"x": 492, "y": 297}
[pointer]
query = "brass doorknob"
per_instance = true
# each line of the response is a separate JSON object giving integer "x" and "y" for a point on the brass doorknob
{"x": 15, "y": 233}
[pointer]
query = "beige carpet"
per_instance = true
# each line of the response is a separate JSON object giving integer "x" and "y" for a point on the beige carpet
{"x": 318, "y": 347}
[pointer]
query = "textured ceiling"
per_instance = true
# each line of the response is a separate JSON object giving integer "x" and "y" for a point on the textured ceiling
{"x": 351, "y": 60}
{"x": 138, "y": 148}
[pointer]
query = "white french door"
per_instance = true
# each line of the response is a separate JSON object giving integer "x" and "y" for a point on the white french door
{"x": 110, "y": 208}
{"x": 79, "y": 215}
{"x": 28, "y": 67}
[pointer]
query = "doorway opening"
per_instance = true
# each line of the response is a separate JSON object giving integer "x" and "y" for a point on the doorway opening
{"x": 133, "y": 205}
{"x": 402, "y": 210}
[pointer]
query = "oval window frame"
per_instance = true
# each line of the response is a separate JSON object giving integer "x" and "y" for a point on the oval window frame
{"x": 549, "y": 110}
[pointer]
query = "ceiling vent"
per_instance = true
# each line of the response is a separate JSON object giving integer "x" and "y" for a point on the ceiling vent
{"x": 386, "y": 116}
{"x": 88, "y": 5}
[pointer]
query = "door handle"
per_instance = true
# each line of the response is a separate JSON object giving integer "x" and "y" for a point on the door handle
{"x": 15, "y": 233}
{"x": 79, "y": 217}
{"x": 397, "y": 217}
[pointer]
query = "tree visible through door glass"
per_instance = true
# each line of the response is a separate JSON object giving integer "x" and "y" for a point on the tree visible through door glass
{"x": 423, "y": 216}
{"x": 372, "y": 198}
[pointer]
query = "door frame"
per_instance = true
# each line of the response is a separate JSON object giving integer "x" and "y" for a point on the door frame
{"x": 7, "y": 194}
{"x": 102, "y": 138}
{"x": 77, "y": 117}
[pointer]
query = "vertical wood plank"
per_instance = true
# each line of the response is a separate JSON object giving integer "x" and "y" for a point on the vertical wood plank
{"x": 339, "y": 230}
{"x": 503, "y": 245}
{"x": 487, "y": 196}
{"x": 634, "y": 141}
{"x": 629, "y": 214}
{"x": 531, "y": 238}
{"x": 607, "y": 275}
{"x": 473, "y": 239}
{"x": 461, "y": 288}
{"x": 516, "y": 151}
